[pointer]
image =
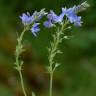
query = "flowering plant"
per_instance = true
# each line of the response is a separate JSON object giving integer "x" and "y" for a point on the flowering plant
{"x": 61, "y": 22}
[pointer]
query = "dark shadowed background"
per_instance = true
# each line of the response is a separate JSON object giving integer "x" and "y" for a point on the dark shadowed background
{"x": 77, "y": 74}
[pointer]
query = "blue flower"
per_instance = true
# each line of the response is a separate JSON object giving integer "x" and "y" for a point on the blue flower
{"x": 48, "y": 24}
{"x": 70, "y": 13}
{"x": 35, "y": 28}
{"x": 72, "y": 16}
{"x": 26, "y": 19}
{"x": 56, "y": 18}
{"x": 52, "y": 19}
{"x": 78, "y": 21}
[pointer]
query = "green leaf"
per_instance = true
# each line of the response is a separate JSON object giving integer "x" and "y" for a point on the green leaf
{"x": 33, "y": 94}
{"x": 57, "y": 65}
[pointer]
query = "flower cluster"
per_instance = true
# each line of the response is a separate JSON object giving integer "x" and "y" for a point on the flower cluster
{"x": 53, "y": 19}
{"x": 69, "y": 13}
{"x": 33, "y": 20}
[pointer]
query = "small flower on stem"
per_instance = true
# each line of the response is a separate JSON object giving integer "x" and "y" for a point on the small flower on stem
{"x": 26, "y": 19}
{"x": 72, "y": 16}
{"x": 53, "y": 19}
{"x": 35, "y": 28}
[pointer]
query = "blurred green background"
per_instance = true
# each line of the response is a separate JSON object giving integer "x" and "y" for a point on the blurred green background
{"x": 77, "y": 74}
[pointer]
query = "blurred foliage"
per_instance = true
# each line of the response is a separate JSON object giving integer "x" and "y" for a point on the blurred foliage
{"x": 77, "y": 74}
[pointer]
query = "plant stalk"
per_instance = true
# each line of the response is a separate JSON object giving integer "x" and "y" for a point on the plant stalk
{"x": 57, "y": 39}
{"x": 18, "y": 63}
{"x": 22, "y": 83}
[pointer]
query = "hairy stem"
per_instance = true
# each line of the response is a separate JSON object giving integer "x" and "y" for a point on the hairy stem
{"x": 57, "y": 39}
{"x": 18, "y": 63}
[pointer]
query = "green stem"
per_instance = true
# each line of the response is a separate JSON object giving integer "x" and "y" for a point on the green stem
{"x": 57, "y": 39}
{"x": 22, "y": 83}
{"x": 51, "y": 85}
{"x": 18, "y": 63}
